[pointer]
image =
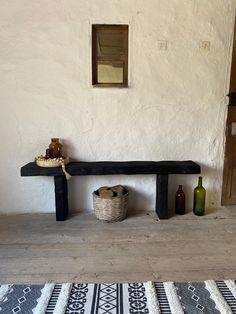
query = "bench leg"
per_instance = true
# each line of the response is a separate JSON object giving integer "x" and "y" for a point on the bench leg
{"x": 61, "y": 197}
{"x": 162, "y": 196}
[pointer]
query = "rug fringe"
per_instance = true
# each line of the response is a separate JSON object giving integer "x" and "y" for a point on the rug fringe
{"x": 173, "y": 298}
{"x": 4, "y": 289}
{"x": 42, "y": 301}
{"x": 216, "y": 296}
{"x": 152, "y": 301}
{"x": 63, "y": 297}
{"x": 232, "y": 287}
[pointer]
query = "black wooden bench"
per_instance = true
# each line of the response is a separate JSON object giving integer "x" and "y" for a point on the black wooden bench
{"x": 160, "y": 168}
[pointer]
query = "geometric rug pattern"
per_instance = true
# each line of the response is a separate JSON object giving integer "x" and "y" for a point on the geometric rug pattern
{"x": 210, "y": 297}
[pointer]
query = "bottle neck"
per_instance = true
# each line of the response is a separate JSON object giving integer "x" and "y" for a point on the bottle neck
{"x": 200, "y": 181}
{"x": 180, "y": 187}
{"x": 55, "y": 140}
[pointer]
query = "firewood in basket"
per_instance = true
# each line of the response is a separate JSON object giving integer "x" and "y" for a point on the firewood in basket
{"x": 119, "y": 189}
{"x": 102, "y": 188}
{"x": 107, "y": 193}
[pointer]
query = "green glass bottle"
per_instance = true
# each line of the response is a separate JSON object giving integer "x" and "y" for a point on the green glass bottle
{"x": 199, "y": 199}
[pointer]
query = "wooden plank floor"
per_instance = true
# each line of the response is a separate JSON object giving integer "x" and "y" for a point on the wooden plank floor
{"x": 34, "y": 248}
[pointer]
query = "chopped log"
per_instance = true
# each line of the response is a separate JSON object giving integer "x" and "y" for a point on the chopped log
{"x": 102, "y": 188}
{"x": 106, "y": 193}
{"x": 119, "y": 189}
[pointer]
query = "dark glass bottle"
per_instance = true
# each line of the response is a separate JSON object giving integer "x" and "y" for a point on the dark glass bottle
{"x": 199, "y": 199}
{"x": 180, "y": 201}
{"x": 48, "y": 153}
{"x": 55, "y": 148}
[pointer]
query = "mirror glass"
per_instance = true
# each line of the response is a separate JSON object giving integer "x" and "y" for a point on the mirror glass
{"x": 110, "y": 51}
{"x": 110, "y": 72}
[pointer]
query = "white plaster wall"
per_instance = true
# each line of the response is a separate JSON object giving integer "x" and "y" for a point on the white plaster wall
{"x": 174, "y": 108}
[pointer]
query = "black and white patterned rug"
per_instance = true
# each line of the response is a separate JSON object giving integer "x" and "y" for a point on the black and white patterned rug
{"x": 211, "y": 297}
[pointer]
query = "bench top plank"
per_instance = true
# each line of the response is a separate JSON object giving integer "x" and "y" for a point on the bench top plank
{"x": 81, "y": 168}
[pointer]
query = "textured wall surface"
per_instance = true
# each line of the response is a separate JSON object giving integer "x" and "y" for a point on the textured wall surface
{"x": 174, "y": 108}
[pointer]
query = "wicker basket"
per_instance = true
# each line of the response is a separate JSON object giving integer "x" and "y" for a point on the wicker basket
{"x": 110, "y": 209}
{"x": 51, "y": 162}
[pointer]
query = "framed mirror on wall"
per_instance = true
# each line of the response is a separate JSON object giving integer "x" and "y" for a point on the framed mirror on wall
{"x": 110, "y": 55}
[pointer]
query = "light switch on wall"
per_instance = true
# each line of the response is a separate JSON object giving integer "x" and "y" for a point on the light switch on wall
{"x": 162, "y": 45}
{"x": 205, "y": 45}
